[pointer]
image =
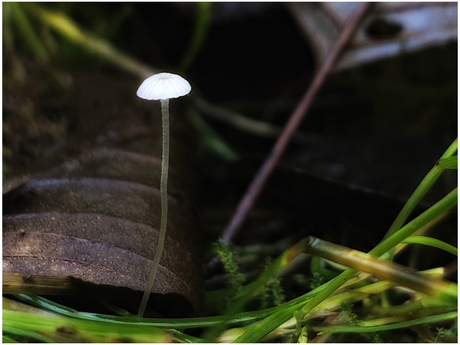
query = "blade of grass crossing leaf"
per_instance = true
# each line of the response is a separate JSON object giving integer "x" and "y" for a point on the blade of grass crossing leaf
{"x": 134, "y": 320}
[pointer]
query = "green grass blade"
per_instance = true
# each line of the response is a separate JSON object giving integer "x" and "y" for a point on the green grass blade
{"x": 183, "y": 323}
{"x": 364, "y": 328}
{"x": 421, "y": 190}
{"x": 260, "y": 329}
{"x": 20, "y": 332}
{"x": 435, "y": 211}
{"x": 432, "y": 242}
{"x": 6, "y": 340}
{"x": 59, "y": 328}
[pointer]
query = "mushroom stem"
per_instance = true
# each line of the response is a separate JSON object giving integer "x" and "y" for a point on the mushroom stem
{"x": 164, "y": 206}
{"x": 161, "y": 86}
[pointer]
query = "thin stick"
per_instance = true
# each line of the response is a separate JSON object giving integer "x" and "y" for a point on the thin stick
{"x": 164, "y": 206}
{"x": 297, "y": 116}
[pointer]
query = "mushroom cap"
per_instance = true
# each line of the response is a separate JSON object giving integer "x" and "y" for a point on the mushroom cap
{"x": 163, "y": 86}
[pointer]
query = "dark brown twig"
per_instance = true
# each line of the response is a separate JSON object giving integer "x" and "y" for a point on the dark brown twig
{"x": 297, "y": 116}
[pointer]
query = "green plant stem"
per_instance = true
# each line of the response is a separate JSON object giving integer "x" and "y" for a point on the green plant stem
{"x": 164, "y": 205}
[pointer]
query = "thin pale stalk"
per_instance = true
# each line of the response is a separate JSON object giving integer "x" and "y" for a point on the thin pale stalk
{"x": 164, "y": 206}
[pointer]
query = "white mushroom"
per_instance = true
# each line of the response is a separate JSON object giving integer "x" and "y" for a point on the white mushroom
{"x": 161, "y": 86}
